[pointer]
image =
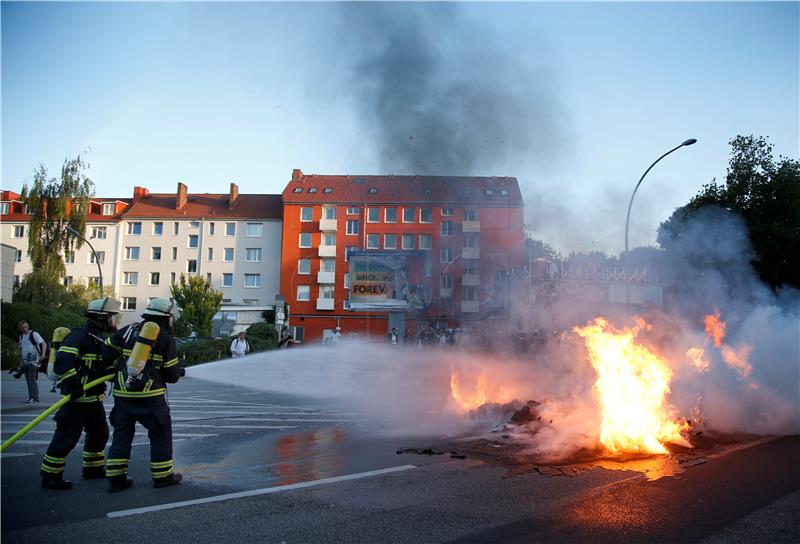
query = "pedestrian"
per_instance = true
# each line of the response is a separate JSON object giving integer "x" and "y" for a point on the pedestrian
{"x": 32, "y": 349}
{"x": 240, "y": 347}
{"x": 143, "y": 400}
{"x": 287, "y": 340}
{"x": 79, "y": 360}
{"x": 394, "y": 337}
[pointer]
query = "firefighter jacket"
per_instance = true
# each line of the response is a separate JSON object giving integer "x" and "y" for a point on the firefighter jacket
{"x": 161, "y": 368}
{"x": 80, "y": 357}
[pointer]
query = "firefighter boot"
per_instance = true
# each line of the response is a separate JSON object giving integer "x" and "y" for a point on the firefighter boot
{"x": 172, "y": 479}
{"x": 94, "y": 473}
{"x": 55, "y": 481}
{"x": 119, "y": 483}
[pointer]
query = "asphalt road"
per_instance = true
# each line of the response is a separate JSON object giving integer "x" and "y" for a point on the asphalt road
{"x": 316, "y": 473}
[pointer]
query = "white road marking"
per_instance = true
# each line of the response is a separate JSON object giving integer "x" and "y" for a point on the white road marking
{"x": 256, "y": 492}
{"x": 4, "y": 455}
{"x": 294, "y": 420}
{"x": 189, "y": 426}
{"x": 191, "y": 435}
{"x": 33, "y": 442}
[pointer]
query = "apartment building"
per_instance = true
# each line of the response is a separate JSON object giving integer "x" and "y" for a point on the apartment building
{"x": 462, "y": 237}
{"x": 146, "y": 242}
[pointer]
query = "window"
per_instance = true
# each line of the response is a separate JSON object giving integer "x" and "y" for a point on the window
{"x": 210, "y": 254}
{"x": 304, "y": 266}
{"x": 101, "y": 256}
{"x": 447, "y": 211}
{"x": 326, "y": 291}
{"x": 254, "y": 229}
{"x": 18, "y": 256}
{"x": 16, "y": 280}
{"x": 132, "y": 253}
{"x": 19, "y": 231}
{"x": 208, "y": 277}
{"x": 297, "y": 190}
{"x": 470, "y": 240}
{"x": 346, "y": 280}
{"x": 488, "y": 192}
{"x": 504, "y": 192}
{"x": 330, "y": 212}
{"x": 172, "y": 277}
{"x": 191, "y": 266}
{"x": 230, "y": 229}
{"x": 446, "y": 281}
{"x": 93, "y": 281}
{"x": 303, "y": 292}
{"x": 329, "y": 239}
{"x": 158, "y": 228}
{"x": 306, "y": 215}
{"x": 5, "y": 207}
{"x": 252, "y": 254}
{"x": 134, "y": 229}
{"x": 408, "y": 241}
{"x": 176, "y": 228}
{"x": 130, "y": 278}
{"x": 470, "y": 267}
{"x": 327, "y": 190}
{"x": 305, "y": 239}
{"x": 68, "y": 280}
{"x": 312, "y": 190}
{"x": 468, "y": 294}
{"x": 390, "y": 215}
{"x": 194, "y": 240}
{"x": 373, "y": 190}
{"x": 447, "y": 228}
{"x": 227, "y": 279}
{"x": 470, "y": 215}
{"x": 373, "y": 215}
{"x": 228, "y": 255}
{"x": 408, "y": 215}
{"x": 128, "y": 303}
{"x": 352, "y": 211}
{"x": 389, "y": 241}
{"x": 427, "y": 191}
{"x": 174, "y": 253}
{"x": 352, "y": 226}
{"x": 211, "y": 228}
{"x": 108, "y": 208}
{"x": 373, "y": 241}
{"x": 425, "y": 215}
{"x": 424, "y": 241}
{"x": 155, "y": 278}
{"x": 347, "y": 251}
{"x": 69, "y": 257}
{"x": 445, "y": 255}
{"x": 99, "y": 232}
{"x": 194, "y": 224}
{"x": 155, "y": 253}
{"x": 328, "y": 265}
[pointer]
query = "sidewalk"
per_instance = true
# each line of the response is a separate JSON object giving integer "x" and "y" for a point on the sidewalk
{"x": 13, "y": 392}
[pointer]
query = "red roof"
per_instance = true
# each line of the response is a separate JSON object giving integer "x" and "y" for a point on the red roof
{"x": 452, "y": 190}
{"x": 95, "y": 215}
{"x": 207, "y": 206}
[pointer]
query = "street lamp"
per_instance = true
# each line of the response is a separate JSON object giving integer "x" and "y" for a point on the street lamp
{"x": 77, "y": 234}
{"x": 688, "y": 142}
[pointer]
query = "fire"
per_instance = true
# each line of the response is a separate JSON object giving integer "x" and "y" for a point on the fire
{"x": 632, "y": 383}
{"x": 698, "y": 358}
{"x": 470, "y": 399}
{"x": 734, "y": 358}
{"x": 715, "y": 328}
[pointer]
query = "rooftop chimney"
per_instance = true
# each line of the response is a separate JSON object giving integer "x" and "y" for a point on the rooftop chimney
{"x": 181, "y": 197}
{"x": 297, "y": 174}
{"x": 233, "y": 198}
{"x": 140, "y": 193}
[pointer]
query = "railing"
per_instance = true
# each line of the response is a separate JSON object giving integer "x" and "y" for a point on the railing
{"x": 326, "y": 277}
{"x": 324, "y": 304}
{"x": 471, "y": 226}
{"x": 327, "y": 224}
{"x": 471, "y": 253}
{"x": 471, "y": 280}
{"x": 327, "y": 251}
{"x": 469, "y": 306}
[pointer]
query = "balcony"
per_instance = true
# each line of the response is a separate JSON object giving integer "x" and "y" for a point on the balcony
{"x": 469, "y": 306}
{"x": 471, "y": 226}
{"x": 326, "y": 277}
{"x": 471, "y": 280}
{"x": 324, "y": 304}
{"x": 327, "y": 251}
{"x": 327, "y": 225}
{"x": 445, "y": 292}
{"x": 471, "y": 253}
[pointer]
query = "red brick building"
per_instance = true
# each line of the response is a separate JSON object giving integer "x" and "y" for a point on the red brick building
{"x": 463, "y": 237}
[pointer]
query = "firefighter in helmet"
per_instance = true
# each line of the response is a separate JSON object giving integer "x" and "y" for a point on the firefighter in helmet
{"x": 80, "y": 360}
{"x": 148, "y": 360}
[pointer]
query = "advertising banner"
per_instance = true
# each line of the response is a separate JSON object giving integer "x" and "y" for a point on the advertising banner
{"x": 390, "y": 280}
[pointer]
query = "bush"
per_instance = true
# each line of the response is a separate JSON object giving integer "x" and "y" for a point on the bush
{"x": 43, "y": 319}
{"x": 203, "y": 351}
{"x": 262, "y": 336}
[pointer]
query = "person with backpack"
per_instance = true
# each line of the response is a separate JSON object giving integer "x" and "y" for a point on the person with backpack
{"x": 240, "y": 347}
{"x": 139, "y": 394}
{"x": 79, "y": 361}
{"x": 33, "y": 351}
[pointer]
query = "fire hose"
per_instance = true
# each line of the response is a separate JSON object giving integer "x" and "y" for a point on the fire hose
{"x": 49, "y": 411}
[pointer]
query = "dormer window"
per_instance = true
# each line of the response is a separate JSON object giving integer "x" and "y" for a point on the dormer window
{"x": 327, "y": 190}
{"x": 312, "y": 190}
{"x": 373, "y": 190}
{"x": 489, "y": 192}
{"x": 298, "y": 190}
{"x": 5, "y": 208}
{"x": 359, "y": 180}
{"x": 504, "y": 192}
{"x": 108, "y": 208}
{"x": 427, "y": 191}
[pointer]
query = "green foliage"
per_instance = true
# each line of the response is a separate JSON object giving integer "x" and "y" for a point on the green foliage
{"x": 54, "y": 204}
{"x": 766, "y": 193}
{"x": 538, "y": 249}
{"x": 206, "y": 351}
{"x": 262, "y": 331}
{"x": 198, "y": 301}
{"x": 42, "y": 318}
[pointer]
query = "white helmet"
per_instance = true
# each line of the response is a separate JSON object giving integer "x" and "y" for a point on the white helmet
{"x": 162, "y": 307}
{"x": 103, "y": 307}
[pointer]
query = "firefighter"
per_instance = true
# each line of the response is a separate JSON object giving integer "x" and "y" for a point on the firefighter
{"x": 80, "y": 360}
{"x": 147, "y": 363}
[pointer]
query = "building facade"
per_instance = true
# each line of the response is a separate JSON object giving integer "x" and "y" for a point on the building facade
{"x": 468, "y": 231}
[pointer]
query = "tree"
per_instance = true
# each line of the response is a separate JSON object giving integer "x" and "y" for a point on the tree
{"x": 53, "y": 204}
{"x": 198, "y": 301}
{"x": 766, "y": 194}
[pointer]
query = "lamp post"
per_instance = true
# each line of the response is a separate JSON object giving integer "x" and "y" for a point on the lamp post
{"x": 78, "y": 235}
{"x": 688, "y": 142}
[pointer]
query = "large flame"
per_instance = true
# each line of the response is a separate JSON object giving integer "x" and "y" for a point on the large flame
{"x": 632, "y": 383}
{"x": 476, "y": 392}
{"x": 736, "y": 358}
{"x": 715, "y": 328}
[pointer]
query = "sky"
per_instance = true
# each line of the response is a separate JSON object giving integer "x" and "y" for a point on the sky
{"x": 576, "y": 100}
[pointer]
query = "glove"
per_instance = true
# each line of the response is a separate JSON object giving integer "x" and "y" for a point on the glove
{"x": 75, "y": 388}
{"x": 182, "y": 372}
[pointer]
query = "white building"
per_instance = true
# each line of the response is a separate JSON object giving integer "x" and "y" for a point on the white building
{"x": 145, "y": 243}
{"x": 7, "y": 261}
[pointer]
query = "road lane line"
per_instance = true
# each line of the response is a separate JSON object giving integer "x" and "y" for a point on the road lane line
{"x": 4, "y": 455}
{"x": 256, "y": 492}
{"x": 203, "y": 426}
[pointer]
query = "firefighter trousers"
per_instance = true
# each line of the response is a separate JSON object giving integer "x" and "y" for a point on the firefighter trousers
{"x": 72, "y": 420}
{"x": 153, "y": 414}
